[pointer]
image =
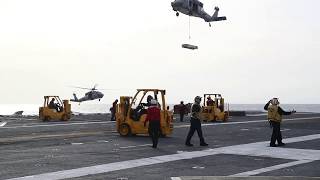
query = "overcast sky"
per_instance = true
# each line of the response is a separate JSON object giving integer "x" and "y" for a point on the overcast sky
{"x": 266, "y": 48}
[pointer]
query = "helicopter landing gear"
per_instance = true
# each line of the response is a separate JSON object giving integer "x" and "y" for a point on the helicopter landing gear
{"x": 177, "y": 14}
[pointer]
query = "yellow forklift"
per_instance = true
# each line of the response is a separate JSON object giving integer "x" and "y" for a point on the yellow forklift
{"x": 61, "y": 111}
{"x": 131, "y": 113}
{"x": 213, "y": 108}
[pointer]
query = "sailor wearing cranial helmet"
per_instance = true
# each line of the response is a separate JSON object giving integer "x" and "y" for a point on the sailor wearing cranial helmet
{"x": 275, "y": 113}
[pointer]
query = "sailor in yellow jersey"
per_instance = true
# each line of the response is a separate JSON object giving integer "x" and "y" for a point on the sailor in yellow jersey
{"x": 275, "y": 113}
{"x": 195, "y": 123}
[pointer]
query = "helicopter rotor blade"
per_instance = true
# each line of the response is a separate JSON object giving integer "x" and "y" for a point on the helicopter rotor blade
{"x": 95, "y": 88}
{"x": 81, "y": 87}
{"x": 108, "y": 89}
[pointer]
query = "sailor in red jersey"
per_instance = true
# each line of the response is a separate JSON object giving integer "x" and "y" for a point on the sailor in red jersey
{"x": 153, "y": 116}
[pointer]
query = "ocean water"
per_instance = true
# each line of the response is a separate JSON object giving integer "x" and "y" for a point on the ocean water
{"x": 315, "y": 108}
{"x": 33, "y": 109}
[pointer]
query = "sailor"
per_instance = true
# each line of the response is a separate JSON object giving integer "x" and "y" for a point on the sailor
{"x": 275, "y": 113}
{"x": 182, "y": 110}
{"x": 153, "y": 116}
{"x": 210, "y": 102}
{"x": 149, "y": 98}
{"x": 113, "y": 110}
{"x": 53, "y": 105}
{"x": 195, "y": 123}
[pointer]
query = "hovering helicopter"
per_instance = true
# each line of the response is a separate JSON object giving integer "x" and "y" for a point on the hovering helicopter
{"x": 91, "y": 95}
{"x": 195, "y": 8}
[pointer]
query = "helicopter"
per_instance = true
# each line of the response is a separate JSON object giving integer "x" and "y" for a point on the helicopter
{"x": 88, "y": 96}
{"x": 195, "y": 8}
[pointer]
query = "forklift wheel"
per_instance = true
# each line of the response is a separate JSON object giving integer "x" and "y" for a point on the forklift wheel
{"x": 225, "y": 118}
{"x": 214, "y": 119}
{"x": 162, "y": 135}
{"x": 64, "y": 117}
{"x": 46, "y": 118}
{"x": 124, "y": 130}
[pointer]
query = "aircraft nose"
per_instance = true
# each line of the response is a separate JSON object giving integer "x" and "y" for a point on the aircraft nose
{"x": 174, "y": 4}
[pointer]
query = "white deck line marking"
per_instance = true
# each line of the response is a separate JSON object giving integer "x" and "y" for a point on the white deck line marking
{"x": 176, "y": 178}
{"x": 248, "y": 122}
{"x": 244, "y": 149}
{"x": 261, "y": 149}
{"x": 271, "y": 168}
{"x": 253, "y": 115}
{"x": 179, "y": 126}
{"x": 127, "y": 147}
{"x": 76, "y": 143}
{"x": 21, "y": 118}
{"x": 73, "y": 173}
{"x": 50, "y": 125}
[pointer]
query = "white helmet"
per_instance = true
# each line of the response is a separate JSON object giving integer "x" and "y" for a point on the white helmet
{"x": 275, "y": 101}
{"x": 197, "y": 99}
{"x": 154, "y": 102}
